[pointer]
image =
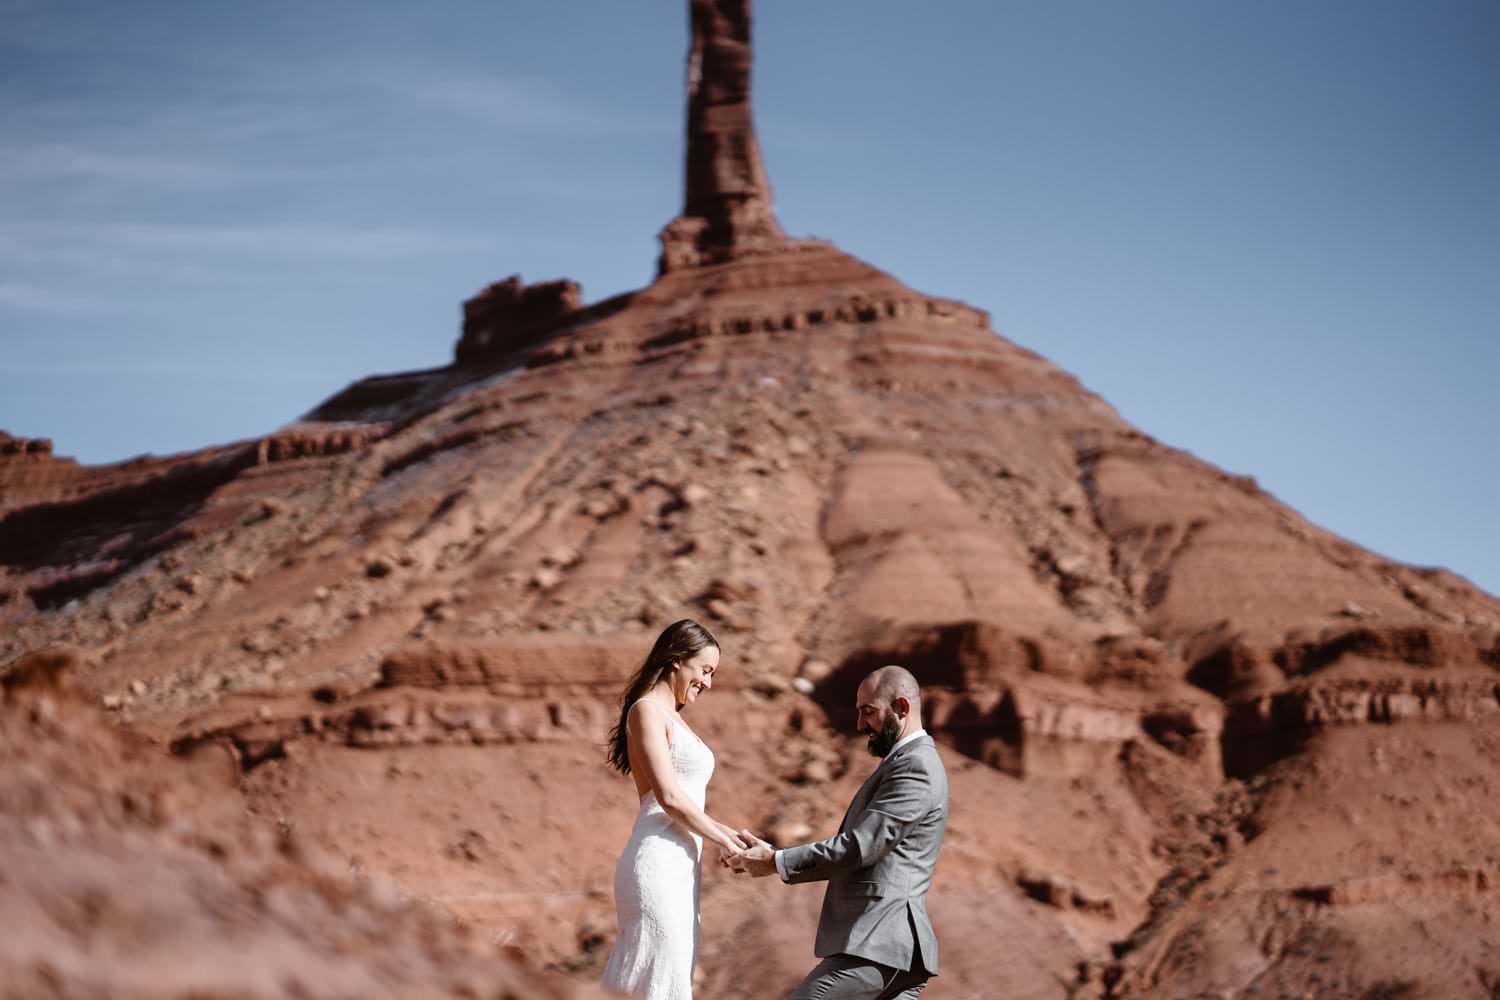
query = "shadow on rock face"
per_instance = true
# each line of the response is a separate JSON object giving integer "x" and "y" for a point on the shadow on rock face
{"x": 959, "y": 667}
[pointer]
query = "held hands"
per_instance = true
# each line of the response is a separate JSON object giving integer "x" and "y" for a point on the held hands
{"x": 732, "y": 844}
{"x": 757, "y": 858}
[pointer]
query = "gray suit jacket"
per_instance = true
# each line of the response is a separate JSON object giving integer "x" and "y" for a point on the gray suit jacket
{"x": 879, "y": 866}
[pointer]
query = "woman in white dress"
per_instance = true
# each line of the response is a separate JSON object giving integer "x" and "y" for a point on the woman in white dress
{"x": 657, "y": 878}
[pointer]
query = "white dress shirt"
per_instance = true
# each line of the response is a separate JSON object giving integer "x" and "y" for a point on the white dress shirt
{"x": 781, "y": 865}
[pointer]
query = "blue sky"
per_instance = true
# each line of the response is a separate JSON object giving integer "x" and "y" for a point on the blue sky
{"x": 1266, "y": 232}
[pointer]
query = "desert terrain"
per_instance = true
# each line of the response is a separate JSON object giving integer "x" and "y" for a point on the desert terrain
{"x": 322, "y": 713}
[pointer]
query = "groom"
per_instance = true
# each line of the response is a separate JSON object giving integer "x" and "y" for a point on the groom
{"x": 874, "y": 936}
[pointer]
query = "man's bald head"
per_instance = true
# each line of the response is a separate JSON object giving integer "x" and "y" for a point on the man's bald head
{"x": 889, "y": 704}
{"x": 891, "y": 682}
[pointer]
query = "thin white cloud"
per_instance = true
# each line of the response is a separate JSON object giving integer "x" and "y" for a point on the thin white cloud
{"x": 67, "y": 162}
{"x": 282, "y": 240}
{"x": 161, "y": 368}
{"x": 497, "y": 101}
{"x": 23, "y": 297}
{"x": 201, "y": 112}
{"x": 503, "y": 102}
{"x": 98, "y": 261}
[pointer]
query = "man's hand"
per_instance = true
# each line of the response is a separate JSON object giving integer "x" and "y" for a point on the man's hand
{"x": 758, "y": 860}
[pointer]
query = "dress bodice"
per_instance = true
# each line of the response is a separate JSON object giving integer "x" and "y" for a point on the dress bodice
{"x": 692, "y": 763}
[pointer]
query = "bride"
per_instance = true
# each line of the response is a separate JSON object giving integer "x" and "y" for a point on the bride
{"x": 657, "y": 878}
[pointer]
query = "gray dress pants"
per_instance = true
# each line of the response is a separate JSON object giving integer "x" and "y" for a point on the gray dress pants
{"x": 844, "y": 977}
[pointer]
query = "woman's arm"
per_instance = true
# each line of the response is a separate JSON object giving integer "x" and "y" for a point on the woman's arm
{"x": 647, "y": 730}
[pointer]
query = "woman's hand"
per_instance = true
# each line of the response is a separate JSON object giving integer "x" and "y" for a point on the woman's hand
{"x": 739, "y": 841}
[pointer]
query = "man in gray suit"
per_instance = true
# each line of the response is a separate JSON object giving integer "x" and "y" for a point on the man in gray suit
{"x": 874, "y": 936}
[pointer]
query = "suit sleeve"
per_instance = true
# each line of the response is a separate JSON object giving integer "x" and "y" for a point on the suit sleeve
{"x": 903, "y": 797}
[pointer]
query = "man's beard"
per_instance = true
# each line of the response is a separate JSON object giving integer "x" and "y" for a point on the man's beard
{"x": 882, "y": 741}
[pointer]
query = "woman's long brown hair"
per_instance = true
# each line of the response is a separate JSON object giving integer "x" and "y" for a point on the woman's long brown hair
{"x": 679, "y": 641}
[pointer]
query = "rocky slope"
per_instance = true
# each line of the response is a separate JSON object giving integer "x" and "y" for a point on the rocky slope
{"x": 124, "y": 878}
{"x": 1198, "y": 746}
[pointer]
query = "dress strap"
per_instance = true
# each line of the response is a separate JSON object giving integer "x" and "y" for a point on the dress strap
{"x": 670, "y": 719}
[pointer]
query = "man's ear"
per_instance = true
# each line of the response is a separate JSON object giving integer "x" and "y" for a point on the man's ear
{"x": 901, "y": 705}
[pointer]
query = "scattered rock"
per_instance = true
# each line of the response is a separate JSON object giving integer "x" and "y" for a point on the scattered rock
{"x": 271, "y": 507}
{"x": 786, "y": 833}
{"x": 561, "y": 556}
{"x": 167, "y": 601}
{"x": 1071, "y": 564}
{"x": 49, "y": 668}
{"x": 745, "y": 498}
{"x": 730, "y": 590}
{"x": 771, "y": 684}
{"x": 815, "y": 772}
{"x": 1056, "y": 891}
{"x": 815, "y": 671}
{"x": 603, "y": 506}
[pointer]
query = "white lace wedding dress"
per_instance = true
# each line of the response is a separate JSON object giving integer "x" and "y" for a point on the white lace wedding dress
{"x": 656, "y": 888}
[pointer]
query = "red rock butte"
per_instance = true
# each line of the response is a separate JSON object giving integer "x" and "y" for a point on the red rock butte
{"x": 726, "y": 207}
{"x": 1198, "y": 745}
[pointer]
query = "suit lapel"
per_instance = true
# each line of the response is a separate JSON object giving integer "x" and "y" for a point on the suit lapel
{"x": 862, "y": 797}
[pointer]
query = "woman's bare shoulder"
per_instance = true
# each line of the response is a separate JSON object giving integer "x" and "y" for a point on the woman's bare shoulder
{"x": 643, "y": 713}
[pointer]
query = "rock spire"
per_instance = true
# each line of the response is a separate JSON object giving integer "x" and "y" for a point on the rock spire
{"x": 726, "y": 209}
